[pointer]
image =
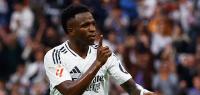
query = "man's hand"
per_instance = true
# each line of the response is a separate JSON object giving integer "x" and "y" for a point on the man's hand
{"x": 102, "y": 52}
{"x": 151, "y": 93}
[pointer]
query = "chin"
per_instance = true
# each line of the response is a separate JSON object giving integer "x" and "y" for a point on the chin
{"x": 91, "y": 43}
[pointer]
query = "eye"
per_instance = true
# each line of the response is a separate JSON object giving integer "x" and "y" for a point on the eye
{"x": 94, "y": 23}
{"x": 85, "y": 25}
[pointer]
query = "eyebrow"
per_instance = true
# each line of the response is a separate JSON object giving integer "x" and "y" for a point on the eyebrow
{"x": 87, "y": 22}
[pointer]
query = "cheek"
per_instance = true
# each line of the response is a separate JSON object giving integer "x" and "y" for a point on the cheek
{"x": 83, "y": 29}
{"x": 83, "y": 32}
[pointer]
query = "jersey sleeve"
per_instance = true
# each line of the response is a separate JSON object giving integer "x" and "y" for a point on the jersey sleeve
{"x": 117, "y": 71}
{"x": 55, "y": 71}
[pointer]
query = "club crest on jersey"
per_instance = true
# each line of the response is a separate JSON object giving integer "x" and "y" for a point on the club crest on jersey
{"x": 59, "y": 71}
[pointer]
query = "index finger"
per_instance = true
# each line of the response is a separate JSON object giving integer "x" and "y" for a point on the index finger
{"x": 100, "y": 40}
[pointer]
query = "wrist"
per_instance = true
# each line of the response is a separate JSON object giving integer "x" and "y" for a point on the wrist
{"x": 98, "y": 63}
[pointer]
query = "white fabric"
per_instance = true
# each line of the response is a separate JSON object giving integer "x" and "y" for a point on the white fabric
{"x": 21, "y": 23}
{"x": 159, "y": 42}
{"x": 51, "y": 69}
{"x": 36, "y": 70}
{"x": 74, "y": 67}
{"x": 3, "y": 6}
{"x": 146, "y": 10}
{"x": 25, "y": 19}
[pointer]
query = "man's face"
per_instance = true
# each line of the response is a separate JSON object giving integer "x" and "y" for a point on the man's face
{"x": 85, "y": 29}
{"x": 196, "y": 82}
{"x": 18, "y": 7}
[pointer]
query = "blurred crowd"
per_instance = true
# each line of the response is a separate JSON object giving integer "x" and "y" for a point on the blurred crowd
{"x": 157, "y": 40}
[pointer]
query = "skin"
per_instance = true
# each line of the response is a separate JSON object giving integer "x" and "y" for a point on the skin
{"x": 82, "y": 33}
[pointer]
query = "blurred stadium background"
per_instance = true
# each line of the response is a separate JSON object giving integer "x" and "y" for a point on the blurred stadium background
{"x": 157, "y": 40}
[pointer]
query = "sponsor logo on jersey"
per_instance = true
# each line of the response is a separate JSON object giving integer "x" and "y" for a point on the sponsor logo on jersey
{"x": 75, "y": 73}
{"x": 95, "y": 84}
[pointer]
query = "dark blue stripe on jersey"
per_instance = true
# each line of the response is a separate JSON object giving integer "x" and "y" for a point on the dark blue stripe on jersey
{"x": 62, "y": 48}
{"x": 53, "y": 56}
{"x": 65, "y": 52}
{"x": 59, "y": 57}
{"x": 122, "y": 69}
{"x": 70, "y": 50}
{"x": 89, "y": 50}
{"x": 56, "y": 56}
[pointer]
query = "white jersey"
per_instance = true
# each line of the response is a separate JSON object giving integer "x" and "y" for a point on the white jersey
{"x": 62, "y": 63}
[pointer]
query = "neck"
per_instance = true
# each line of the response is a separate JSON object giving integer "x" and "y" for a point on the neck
{"x": 80, "y": 49}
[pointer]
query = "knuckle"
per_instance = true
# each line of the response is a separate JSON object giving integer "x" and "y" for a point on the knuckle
{"x": 107, "y": 47}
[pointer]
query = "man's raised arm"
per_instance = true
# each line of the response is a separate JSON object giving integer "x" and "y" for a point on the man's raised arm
{"x": 78, "y": 87}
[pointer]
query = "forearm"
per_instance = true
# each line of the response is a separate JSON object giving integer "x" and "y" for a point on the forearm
{"x": 142, "y": 90}
{"x": 133, "y": 88}
{"x": 86, "y": 79}
{"x": 79, "y": 86}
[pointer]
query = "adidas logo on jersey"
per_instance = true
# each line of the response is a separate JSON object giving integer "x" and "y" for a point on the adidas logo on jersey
{"x": 75, "y": 73}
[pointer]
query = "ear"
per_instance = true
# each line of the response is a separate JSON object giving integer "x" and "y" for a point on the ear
{"x": 70, "y": 31}
{"x": 70, "y": 26}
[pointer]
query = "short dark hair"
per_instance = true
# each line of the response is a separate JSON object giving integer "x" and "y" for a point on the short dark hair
{"x": 70, "y": 12}
{"x": 19, "y": 2}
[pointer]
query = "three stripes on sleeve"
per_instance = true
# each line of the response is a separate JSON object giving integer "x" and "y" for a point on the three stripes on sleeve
{"x": 56, "y": 55}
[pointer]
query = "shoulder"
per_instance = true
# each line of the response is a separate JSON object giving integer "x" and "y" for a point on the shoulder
{"x": 112, "y": 60}
{"x": 61, "y": 48}
{"x": 57, "y": 48}
{"x": 113, "y": 57}
{"x": 55, "y": 53}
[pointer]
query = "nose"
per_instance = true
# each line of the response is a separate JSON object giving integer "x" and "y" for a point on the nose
{"x": 92, "y": 28}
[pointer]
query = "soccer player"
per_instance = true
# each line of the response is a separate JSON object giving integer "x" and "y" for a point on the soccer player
{"x": 78, "y": 67}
